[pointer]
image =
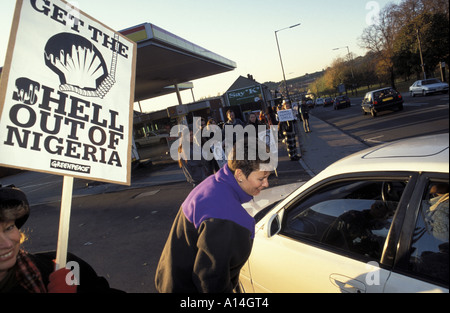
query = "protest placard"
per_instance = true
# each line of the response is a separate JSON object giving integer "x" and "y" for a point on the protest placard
{"x": 285, "y": 115}
{"x": 66, "y": 100}
{"x": 66, "y": 94}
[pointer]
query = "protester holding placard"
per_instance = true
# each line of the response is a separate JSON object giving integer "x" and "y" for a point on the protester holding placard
{"x": 23, "y": 272}
{"x": 286, "y": 124}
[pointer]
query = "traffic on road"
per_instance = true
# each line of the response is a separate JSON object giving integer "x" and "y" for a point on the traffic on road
{"x": 420, "y": 116}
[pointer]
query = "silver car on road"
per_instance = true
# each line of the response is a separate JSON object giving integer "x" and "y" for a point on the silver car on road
{"x": 428, "y": 86}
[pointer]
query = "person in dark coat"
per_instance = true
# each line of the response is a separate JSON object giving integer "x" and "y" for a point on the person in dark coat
{"x": 232, "y": 120}
{"x": 288, "y": 131}
{"x": 270, "y": 116}
{"x": 253, "y": 120}
{"x": 195, "y": 169}
{"x": 23, "y": 272}
{"x": 212, "y": 235}
{"x": 304, "y": 113}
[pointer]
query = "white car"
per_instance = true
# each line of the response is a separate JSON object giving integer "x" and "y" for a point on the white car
{"x": 428, "y": 86}
{"x": 319, "y": 101}
{"x": 151, "y": 138}
{"x": 376, "y": 221}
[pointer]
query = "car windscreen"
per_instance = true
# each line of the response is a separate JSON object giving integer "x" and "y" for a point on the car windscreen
{"x": 430, "y": 81}
{"x": 384, "y": 93}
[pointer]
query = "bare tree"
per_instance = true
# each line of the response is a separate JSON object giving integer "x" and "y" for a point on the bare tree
{"x": 379, "y": 39}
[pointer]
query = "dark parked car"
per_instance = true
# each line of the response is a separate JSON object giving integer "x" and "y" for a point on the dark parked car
{"x": 341, "y": 102}
{"x": 327, "y": 102}
{"x": 382, "y": 100}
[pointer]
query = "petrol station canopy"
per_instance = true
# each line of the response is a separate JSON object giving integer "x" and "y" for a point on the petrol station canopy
{"x": 164, "y": 60}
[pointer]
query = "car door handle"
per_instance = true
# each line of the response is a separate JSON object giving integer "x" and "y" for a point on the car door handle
{"x": 347, "y": 284}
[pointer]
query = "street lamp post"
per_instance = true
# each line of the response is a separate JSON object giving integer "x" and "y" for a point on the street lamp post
{"x": 281, "y": 60}
{"x": 349, "y": 58}
{"x": 351, "y": 65}
{"x": 421, "y": 56}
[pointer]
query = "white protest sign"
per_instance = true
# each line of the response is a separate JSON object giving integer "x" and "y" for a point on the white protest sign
{"x": 285, "y": 115}
{"x": 66, "y": 94}
{"x": 219, "y": 153}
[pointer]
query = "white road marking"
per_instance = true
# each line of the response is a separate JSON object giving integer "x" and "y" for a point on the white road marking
{"x": 373, "y": 139}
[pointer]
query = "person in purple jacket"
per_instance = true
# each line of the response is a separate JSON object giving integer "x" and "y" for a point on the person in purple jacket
{"x": 212, "y": 235}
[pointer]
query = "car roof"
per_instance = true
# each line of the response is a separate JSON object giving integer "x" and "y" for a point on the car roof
{"x": 380, "y": 89}
{"x": 436, "y": 80}
{"x": 424, "y": 154}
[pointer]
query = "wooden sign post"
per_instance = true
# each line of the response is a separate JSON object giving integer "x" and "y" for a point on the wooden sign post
{"x": 64, "y": 223}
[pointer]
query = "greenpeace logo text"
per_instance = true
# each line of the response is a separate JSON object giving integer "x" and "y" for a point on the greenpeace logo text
{"x": 70, "y": 166}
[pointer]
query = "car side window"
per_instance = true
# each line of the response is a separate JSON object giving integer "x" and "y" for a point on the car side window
{"x": 429, "y": 257}
{"x": 350, "y": 216}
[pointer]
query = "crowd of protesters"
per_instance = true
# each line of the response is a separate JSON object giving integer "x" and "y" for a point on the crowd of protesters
{"x": 199, "y": 169}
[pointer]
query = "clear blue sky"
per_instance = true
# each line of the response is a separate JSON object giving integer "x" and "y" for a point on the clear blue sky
{"x": 242, "y": 31}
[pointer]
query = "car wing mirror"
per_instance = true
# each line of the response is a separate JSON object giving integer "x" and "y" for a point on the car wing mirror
{"x": 273, "y": 226}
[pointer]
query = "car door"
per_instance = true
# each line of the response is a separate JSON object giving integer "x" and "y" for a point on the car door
{"x": 423, "y": 263}
{"x": 417, "y": 87}
{"x": 366, "y": 101}
{"x": 331, "y": 238}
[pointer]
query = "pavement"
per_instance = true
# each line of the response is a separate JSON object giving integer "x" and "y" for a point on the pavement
{"x": 321, "y": 147}
{"x": 324, "y": 145}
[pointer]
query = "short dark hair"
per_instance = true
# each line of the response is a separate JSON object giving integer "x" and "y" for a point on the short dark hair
{"x": 13, "y": 206}
{"x": 248, "y": 163}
